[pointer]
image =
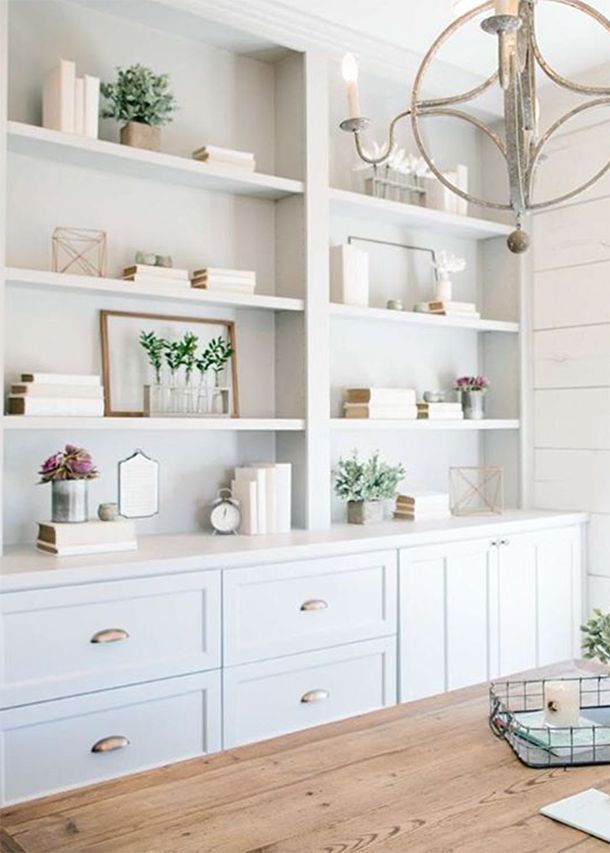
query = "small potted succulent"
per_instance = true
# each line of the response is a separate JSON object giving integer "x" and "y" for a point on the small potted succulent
{"x": 365, "y": 486}
{"x": 472, "y": 390}
{"x": 142, "y": 101}
{"x": 596, "y": 637}
{"x": 69, "y": 472}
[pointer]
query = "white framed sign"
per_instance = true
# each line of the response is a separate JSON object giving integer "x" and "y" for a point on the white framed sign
{"x": 138, "y": 486}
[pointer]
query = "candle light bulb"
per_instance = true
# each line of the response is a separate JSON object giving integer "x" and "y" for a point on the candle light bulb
{"x": 349, "y": 68}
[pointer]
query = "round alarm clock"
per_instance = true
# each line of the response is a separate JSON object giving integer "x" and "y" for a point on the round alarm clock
{"x": 225, "y": 515}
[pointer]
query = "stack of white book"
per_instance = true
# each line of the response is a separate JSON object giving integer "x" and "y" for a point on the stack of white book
{"x": 225, "y": 157}
{"x": 90, "y": 537}
{"x": 381, "y": 403}
{"x": 57, "y": 394}
{"x": 70, "y": 103}
{"x": 349, "y": 275}
{"x": 440, "y": 411}
{"x": 163, "y": 275}
{"x": 224, "y": 281}
{"x": 439, "y": 197}
{"x": 422, "y": 506}
{"x": 468, "y": 310}
{"x": 264, "y": 493}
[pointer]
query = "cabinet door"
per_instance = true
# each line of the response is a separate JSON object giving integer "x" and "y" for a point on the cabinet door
{"x": 539, "y": 577}
{"x": 445, "y": 616}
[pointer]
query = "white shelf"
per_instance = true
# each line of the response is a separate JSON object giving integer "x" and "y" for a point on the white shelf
{"x": 356, "y": 425}
{"x": 20, "y": 422}
{"x": 378, "y": 210}
{"x": 135, "y": 162}
{"x": 141, "y": 290}
{"x": 420, "y": 319}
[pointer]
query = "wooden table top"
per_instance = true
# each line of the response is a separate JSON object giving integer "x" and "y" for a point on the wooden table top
{"x": 427, "y": 777}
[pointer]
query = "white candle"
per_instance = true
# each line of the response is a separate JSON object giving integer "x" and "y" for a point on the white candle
{"x": 562, "y": 703}
{"x": 350, "y": 75}
{"x": 507, "y": 7}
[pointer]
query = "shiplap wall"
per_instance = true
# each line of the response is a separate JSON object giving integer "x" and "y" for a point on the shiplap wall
{"x": 571, "y": 322}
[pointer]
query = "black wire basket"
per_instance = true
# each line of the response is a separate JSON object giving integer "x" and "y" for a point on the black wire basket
{"x": 516, "y": 714}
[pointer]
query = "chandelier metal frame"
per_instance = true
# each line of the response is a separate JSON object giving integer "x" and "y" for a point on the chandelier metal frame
{"x": 519, "y": 55}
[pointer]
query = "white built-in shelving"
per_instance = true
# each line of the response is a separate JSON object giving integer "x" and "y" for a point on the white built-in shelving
{"x": 152, "y": 289}
{"x": 171, "y": 424}
{"x": 416, "y": 318}
{"x": 365, "y": 425}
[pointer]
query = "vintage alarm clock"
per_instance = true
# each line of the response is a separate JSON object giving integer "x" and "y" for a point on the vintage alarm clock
{"x": 225, "y": 515}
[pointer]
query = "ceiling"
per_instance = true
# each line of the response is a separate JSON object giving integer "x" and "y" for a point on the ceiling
{"x": 570, "y": 41}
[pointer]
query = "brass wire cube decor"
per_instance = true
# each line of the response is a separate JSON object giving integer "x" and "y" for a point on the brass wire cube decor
{"x": 79, "y": 250}
{"x": 476, "y": 490}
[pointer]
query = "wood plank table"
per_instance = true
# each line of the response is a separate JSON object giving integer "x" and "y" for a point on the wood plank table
{"x": 427, "y": 776}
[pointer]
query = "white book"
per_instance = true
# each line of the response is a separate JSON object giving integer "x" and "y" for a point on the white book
{"x": 91, "y": 107}
{"x": 79, "y": 105}
{"x": 224, "y": 153}
{"x": 588, "y": 811}
{"x": 441, "y": 416}
{"x": 156, "y": 281}
{"x": 246, "y": 289}
{"x": 271, "y": 496}
{"x": 427, "y": 497}
{"x": 58, "y": 97}
{"x": 56, "y": 407}
{"x": 34, "y": 389}
{"x": 62, "y": 378}
{"x": 226, "y": 279}
{"x": 349, "y": 275}
{"x": 259, "y": 476}
{"x": 92, "y": 532}
{"x": 421, "y": 516}
{"x": 78, "y": 550}
{"x": 220, "y": 272}
{"x": 245, "y": 492}
{"x": 440, "y": 407}
{"x": 380, "y": 411}
{"x": 384, "y": 396}
{"x": 284, "y": 496}
{"x": 151, "y": 271}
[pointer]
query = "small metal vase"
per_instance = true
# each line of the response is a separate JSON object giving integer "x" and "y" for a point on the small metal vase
{"x": 364, "y": 512}
{"x": 70, "y": 501}
{"x": 473, "y": 405}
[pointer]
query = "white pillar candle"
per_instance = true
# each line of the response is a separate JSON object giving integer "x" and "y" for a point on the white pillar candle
{"x": 350, "y": 75}
{"x": 507, "y": 7}
{"x": 562, "y": 703}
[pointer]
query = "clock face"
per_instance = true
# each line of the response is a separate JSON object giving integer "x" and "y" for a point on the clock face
{"x": 225, "y": 517}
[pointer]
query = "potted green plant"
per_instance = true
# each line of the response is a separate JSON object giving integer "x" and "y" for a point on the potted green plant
{"x": 69, "y": 472}
{"x": 142, "y": 101}
{"x": 365, "y": 486}
{"x": 596, "y": 637}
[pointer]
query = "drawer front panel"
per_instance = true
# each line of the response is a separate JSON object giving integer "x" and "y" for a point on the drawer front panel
{"x": 74, "y": 639}
{"x": 73, "y": 742}
{"x": 275, "y": 697}
{"x": 312, "y": 604}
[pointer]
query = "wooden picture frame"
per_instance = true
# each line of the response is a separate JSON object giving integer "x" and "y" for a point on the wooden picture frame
{"x": 106, "y": 322}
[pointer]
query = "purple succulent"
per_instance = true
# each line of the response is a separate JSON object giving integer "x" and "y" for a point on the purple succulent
{"x": 472, "y": 383}
{"x": 74, "y": 463}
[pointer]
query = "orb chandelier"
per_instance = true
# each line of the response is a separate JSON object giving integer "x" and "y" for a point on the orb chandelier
{"x": 520, "y": 144}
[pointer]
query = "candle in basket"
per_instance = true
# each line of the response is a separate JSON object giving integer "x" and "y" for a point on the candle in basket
{"x": 562, "y": 703}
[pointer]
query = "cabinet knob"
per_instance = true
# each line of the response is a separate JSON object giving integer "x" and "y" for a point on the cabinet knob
{"x": 110, "y": 744}
{"x": 315, "y": 696}
{"x": 110, "y": 635}
{"x": 504, "y": 541}
{"x": 314, "y": 604}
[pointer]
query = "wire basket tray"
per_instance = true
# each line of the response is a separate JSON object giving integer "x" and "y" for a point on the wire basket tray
{"x": 516, "y": 714}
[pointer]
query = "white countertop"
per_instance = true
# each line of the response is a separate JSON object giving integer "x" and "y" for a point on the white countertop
{"x": 25, "y": 568}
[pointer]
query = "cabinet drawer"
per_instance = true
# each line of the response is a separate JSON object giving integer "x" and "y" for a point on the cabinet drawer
{"x": 50, "y": 747}
{"x": 262, "y": 700}
{"x": 71, "y": 640}
{"x": 296, "y": 607}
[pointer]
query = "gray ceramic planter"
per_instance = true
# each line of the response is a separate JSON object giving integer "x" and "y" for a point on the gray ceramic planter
{"x": 364, "y": 512}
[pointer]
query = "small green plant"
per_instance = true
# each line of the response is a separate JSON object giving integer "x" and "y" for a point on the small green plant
{"x": 154, "y": 348}
{"x": 596, "y": 637}
{"x": 139, "y": 95}
{"x": 372, "y": 480}
{"x": 217, "y": 355}
{"x": 187, "y": 353}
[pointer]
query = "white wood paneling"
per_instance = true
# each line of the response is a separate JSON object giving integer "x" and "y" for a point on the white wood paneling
{"x": 573, "y": 418}
{"x": 578, "y": 233}
{"x": 574, "y": 296}
{"x": 599, "y": 593}
{"x": 573, "y": 479}
{"x": 568, "y": 358}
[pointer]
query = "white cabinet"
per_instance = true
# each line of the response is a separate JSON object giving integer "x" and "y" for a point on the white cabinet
{"x": 471, "y": 611}
{"x": 69, "y": 640}
{"x": 52, "y": 746}
{"x": 444, "y": 626}
{"x": 270, "y": 611}
{"x": 262, "y": 700}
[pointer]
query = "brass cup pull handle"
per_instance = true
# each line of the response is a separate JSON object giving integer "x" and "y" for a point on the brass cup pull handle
{"x": 109, "y": 635}
{"x": 314, "y": 604}
{"x": 110, "y": 744}
{"x": 315, "y": 696}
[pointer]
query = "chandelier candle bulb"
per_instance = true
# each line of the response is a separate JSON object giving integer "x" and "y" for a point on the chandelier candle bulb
{"x": 507, "y": 7}
{"x": 561, "y": 703}
{"x": 349, "y": 69}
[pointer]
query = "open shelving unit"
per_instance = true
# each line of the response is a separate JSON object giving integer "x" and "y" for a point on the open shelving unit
{"x": 296, "y": 349}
